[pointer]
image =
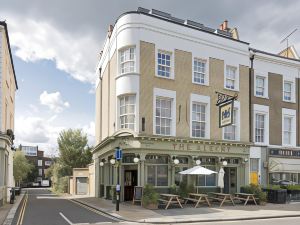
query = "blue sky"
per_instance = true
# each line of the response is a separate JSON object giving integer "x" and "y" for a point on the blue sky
{"x": 56, "y": 45}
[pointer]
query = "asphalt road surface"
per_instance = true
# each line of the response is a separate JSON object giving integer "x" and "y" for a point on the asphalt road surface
{"x": 41, "y": 207}
{"x": 281, "y": 221}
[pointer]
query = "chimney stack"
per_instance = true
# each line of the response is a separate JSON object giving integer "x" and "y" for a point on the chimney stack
{"x": 110, "y": 30}
{"x": 224, "y": 26}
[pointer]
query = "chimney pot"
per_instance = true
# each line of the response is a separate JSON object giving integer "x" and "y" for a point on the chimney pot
{"x": 110, "y": 30}
{"x": 225, "y": 25}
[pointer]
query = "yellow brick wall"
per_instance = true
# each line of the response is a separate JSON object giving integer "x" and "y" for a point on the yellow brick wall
{"x": 184, "y": 87}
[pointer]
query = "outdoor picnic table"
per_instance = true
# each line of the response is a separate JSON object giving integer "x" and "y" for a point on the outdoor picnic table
{"x": 170, "y": 199}
{"x": 197, "y": 198}
{"x": 245, "y": 197}
{"x": 221, "y": 197}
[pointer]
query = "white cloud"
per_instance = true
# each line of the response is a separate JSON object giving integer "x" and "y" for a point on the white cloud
{"x": 40, "y": 131}
{"x": 37, "y": 131}
{"x": 53, "y": 101}
{"x": 90, "y": 131}
{"x": 36, "y": 40}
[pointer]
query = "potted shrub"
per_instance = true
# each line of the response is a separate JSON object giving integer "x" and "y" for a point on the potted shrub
{"x": 150, "y": 197}
{"x": 257, "y": 191}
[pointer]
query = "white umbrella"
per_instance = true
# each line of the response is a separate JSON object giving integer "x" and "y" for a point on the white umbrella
{"x": 197, "y": 170}
{"x": 221, "y": 178}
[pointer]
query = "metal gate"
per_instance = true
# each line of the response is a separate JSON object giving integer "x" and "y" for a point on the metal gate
{"x": 82, "y": 186}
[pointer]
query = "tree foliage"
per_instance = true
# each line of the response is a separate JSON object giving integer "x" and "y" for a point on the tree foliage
{"x": 22, "y": 167}
{"x": 74, "y": 151}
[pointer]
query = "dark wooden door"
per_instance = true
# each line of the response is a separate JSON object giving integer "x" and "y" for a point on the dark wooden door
{"x": 130, "y": 180}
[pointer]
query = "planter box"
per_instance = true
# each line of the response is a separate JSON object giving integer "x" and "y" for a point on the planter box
{"x": 277, "y": 196}
{"x": 151, "y": 206}
{"x": 294, "y": 195}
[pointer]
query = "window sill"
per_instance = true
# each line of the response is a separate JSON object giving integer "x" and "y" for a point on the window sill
{"x": 201, "y": 138}
{"x": 168, "y": 78}
{"x": 261, "y": 144}
{"x": 259, "y": 96}
{"x": 291, "y": 101}
{"x": 229, "y": 89}
{"x": 205, "y": 84}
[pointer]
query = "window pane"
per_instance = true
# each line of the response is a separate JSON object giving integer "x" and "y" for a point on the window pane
{"x": 162, "y": 175}
{"x": 151, "y": 175}
{"x": 163, "y": 64}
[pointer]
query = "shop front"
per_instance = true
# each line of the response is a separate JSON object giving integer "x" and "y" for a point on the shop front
{"x": 158, "y": 161}
{"x": 284, "y": 166}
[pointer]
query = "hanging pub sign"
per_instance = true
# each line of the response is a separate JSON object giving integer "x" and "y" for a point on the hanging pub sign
{"x": 226, "y": 104}
{"x": 226, "y": 114}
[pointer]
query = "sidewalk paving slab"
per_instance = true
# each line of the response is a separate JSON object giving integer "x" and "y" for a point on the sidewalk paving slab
{"x": 13, "y": 209}
{"x": 136, "y": 213}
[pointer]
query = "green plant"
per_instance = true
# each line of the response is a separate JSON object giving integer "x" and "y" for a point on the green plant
{"x": 185, "y": 189}
{"x": 262, "y": 197}
{"x": 150, "y": 196}
{"x": 293, "y": 187}
{"x": 257, "y": 191}
{"x": 174, "y": 189}
{"x": 274, "y": 187}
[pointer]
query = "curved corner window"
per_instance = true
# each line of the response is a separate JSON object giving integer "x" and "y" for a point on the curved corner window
{"x": 127, "y": 111}
{"x": 127, "y": 60}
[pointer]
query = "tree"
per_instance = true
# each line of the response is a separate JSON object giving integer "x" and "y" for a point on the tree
{"x": 74, "y": 151}
{"x": 22, "y": 167}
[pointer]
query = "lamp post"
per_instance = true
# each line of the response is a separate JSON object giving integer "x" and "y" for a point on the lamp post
{"x": 118, "y": 156}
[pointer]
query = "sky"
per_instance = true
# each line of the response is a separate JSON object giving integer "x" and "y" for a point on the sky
{"x": 56, "y": 45}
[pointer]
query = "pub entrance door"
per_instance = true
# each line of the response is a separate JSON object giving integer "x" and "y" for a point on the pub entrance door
{"x": 130, "y": 180}
{"x": 230, "y": 180}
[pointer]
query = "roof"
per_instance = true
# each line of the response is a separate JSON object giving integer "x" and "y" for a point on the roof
{"x": 186, "y": 23}
{"x": 272, "y": 54}
{"x": 3, "y": 23}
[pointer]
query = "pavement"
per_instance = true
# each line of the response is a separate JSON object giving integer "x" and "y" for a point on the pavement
{"x": 7, "y": 211}
{"x": 134, "y": 213}
{"x": 41, "y": 207}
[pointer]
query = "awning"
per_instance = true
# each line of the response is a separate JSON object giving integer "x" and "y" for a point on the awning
{"x": 282, "y": 165}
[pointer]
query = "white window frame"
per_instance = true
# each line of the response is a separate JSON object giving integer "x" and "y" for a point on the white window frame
{"x": 290, "y": 113}
{"x": 158, "y": 92}
{"x": 266, "y": 85}
{"x": 40, "y": 162}
{"x": 292, "y": 82}
{"x": 201, "y": 99}
{"x": 236, "y": 79}
{"x": 237, "y": 107}
{"x": 206, "y": 71}
{"x": 48, "y": 163}
{"x": 162, "y": 50}
{"x": 261, "y": 109}
{"x": 119, "y": 113}
{"x": 127, "y": 61}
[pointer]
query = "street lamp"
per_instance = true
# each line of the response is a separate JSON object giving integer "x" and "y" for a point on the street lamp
{"x": 176, "y": 161}
{"x": 101, "y": 163}
{"x": 224, "y": 163}
{"x": 198, "y": 162}
{"x": 136, "y": 159}
{"x": 112, "y": 161}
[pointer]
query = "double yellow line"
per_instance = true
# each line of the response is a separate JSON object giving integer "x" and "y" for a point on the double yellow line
{"x": 22, "y": 212}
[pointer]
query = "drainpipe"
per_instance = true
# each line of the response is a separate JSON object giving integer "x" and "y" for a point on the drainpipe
{"x": 250, "y": 95}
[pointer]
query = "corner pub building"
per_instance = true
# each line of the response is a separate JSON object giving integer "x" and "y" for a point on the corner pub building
{"x": 156, "y": 100}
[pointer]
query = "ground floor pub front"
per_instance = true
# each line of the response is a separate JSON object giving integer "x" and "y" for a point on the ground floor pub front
{"x": 158, "y": 161}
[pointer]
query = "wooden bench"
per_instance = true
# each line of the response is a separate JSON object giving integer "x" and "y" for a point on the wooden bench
{"x": 190, "y": 199}
{"x": 170, "y": 199}
{"x": 245, "y": 197}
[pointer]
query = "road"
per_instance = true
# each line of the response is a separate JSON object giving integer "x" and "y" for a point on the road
{"x": 44, "y": 208}
{"x": 288, "y": 221}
